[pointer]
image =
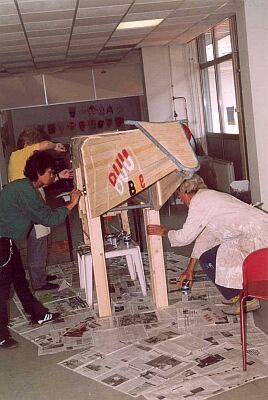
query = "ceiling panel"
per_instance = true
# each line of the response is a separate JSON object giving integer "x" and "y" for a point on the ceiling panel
{"x": 44, "y": 25}
{"x": 198, "y": 3}
{"x": 12, "y": 19}
{"x": 86, "y": 42}
{"x": 40, "y": 33}
{"x": 6, "y": 49}
{"x": 50, "y": 50}
{"x": 101, "y": 11}
{"x": 8, "y": 8}
{"x": 82, "y": 57}
{"x": 103, "y": 3}
{"x": 187, "y": 12}
{"x": 49, "y": 32}
{"x": 47, "y": 5}
{"x": 146, "y": 15}
{"x": 97, "y": 21}
{"x": 92, "y": 35}
{"x": 48, "y": 16}
{"x": 159, "y": 1}
{"x": 94, "y": 28}
{"x": 83, "y": 51}
{"x": 161, "y": 6}
{"x": 48, "y": 39}
{"x": 50, "y": 58}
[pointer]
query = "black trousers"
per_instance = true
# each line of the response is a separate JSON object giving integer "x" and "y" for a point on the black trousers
{"x": 12, "y": 272}
{"x": 208, "y": 264}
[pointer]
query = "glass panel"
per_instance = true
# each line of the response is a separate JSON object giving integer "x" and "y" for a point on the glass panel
{"x": 210, "y": 100}
{"x": 223, "y": 39}
{"x": 205, "y": 47}
{"x": 227, "y": 97}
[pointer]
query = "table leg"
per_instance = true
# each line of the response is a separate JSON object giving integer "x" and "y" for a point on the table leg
{"x": 69, "y": 237}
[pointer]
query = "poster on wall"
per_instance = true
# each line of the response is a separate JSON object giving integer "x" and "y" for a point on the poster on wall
{"x": 6, "y": 145}
{"x": 90, "y": 117}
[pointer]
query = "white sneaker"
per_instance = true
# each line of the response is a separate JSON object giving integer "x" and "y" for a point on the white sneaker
{"x": 251, "y": 305}
{"x": 231, "y": 301}
{"x": 48, "y": 317}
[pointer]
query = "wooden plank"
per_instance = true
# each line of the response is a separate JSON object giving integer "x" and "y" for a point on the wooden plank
{"x": 156, "y": 260}
{"x": 125, "y": 221}
{"x": 82, "y": 206}
{"x": 171, "y": 136}
{"x": 99, "y": 267}
{"x": 164, "y": 188}
{"x": 117, "y": 166}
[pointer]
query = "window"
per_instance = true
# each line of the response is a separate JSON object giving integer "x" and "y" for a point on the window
{"x": 227, "y": 100}
{"x": 210, "y": 99}
{"x": 216, "y": 64}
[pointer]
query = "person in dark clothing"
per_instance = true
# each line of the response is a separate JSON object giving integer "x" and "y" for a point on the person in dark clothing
{"x": 21, "y": 206}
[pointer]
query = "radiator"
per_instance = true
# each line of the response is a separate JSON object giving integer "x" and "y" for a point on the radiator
{"x": 217, "y": 173}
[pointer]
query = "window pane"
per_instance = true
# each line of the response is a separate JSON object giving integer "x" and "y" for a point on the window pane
{"x": 205, "y": 47}
{"x": 227, "y": 97}
{"x": 223, "y": 39}
{"x": 210, "y": 100}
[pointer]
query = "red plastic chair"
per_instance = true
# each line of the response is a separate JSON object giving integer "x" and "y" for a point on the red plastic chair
{"x": 255, "y": 285}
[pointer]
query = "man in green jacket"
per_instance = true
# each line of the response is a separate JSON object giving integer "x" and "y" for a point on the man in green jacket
{"x": 21, "y": 206}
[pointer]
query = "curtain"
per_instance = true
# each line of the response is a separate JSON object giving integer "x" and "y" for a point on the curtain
{"x": 197, "y": 123}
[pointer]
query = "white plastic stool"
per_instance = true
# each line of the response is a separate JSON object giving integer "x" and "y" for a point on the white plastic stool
{"x": 134, "y": 263}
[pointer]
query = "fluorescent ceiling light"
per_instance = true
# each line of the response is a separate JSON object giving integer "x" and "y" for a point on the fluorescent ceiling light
{"x": 139, "y": 24}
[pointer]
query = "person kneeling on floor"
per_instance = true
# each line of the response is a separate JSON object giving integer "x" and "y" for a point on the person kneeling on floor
{"x": 226, "y": 230}
{"x": 22, "y": 206}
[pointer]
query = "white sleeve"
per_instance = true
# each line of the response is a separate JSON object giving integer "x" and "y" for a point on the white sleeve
{"x": 195, "y": 223}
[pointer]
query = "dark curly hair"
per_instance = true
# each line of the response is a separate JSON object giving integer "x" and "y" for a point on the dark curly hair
{"x": 38, "y": 163}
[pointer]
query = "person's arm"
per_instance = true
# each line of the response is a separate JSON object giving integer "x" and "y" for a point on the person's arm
{"x": 47, "y": 145}
{"x": 188, "y": 273}
{"x": 199, "y": 215}
{"x": 181, "y": 237}
{"x": 157, "y": 230}
{"x": 75, "y": 196}
{"x": 39, "y": 212}
{"x": 66, "y": 174}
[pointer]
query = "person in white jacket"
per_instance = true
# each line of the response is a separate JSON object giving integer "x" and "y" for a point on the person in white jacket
{"x": 225, "y": 231}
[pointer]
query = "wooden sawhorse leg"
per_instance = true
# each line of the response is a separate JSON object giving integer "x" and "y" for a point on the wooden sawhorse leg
{"x": 99, "y": 267}
{"x": 156, "y": 260}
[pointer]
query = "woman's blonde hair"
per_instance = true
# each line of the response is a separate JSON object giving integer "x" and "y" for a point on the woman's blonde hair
{"x": 31, "y": 136}
{"x": 192, "y": 185}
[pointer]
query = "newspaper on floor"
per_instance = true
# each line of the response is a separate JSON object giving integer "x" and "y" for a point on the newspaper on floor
{"x": 188, "y": 349}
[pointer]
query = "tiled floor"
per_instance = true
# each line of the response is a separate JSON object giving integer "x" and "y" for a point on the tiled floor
{"x": 25, "y": 376}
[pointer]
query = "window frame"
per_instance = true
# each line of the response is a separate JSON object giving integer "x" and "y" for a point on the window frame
{"x": 215, "y": 63}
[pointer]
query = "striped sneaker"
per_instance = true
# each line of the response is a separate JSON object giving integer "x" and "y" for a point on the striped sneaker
{"x": 231, "y": 301}
{"x": 48, "y": 317}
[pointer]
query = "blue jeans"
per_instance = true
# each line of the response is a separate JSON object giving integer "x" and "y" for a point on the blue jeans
{"x": 37, "y": 251}
{"x": 208, "y": 264}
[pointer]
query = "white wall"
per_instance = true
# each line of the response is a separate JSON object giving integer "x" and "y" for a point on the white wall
{"x": 165, "y": 67}
{"x": 64, "y": 121}
{"x": 156, "y": 66}
{"x": 252, "y": 24}
{"x": 106, "y": 81}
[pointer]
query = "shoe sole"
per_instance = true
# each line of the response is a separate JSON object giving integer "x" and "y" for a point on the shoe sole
{"x": 231, "y": 303}
{"x": 13, "y": 346}
{"x": 238, "y": 313}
